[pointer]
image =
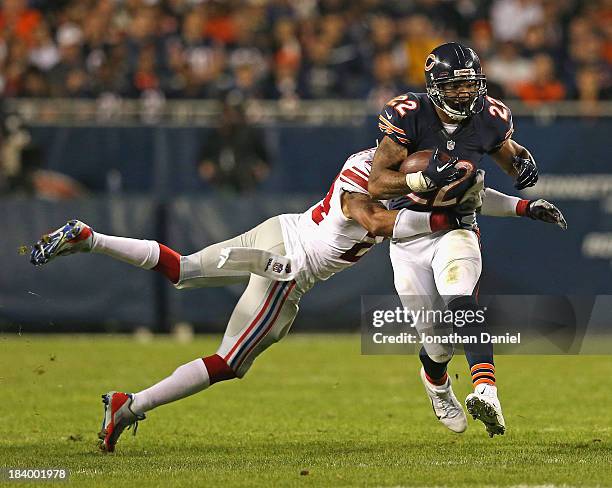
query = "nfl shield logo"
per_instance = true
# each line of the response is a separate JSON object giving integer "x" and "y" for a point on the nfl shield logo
{"x": 450, "y": 145}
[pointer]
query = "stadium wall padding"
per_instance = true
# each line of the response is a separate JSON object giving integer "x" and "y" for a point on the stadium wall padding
{"x": 84, "y": 290}
{"x": 305, "y": 159}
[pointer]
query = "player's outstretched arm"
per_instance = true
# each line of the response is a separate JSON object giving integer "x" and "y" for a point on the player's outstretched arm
{"x": 385, "y": 180}
{"x": 399, "y": 224}
{"x": 370, "y": 214}
{"x": 498, "y": 204}
{"x": 517, "y": 162}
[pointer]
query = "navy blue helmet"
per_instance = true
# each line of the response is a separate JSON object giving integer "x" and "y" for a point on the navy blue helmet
{"x": 454, "y": 79}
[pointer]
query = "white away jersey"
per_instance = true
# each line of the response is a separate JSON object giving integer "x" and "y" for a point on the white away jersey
{"x": 322, "y": 239}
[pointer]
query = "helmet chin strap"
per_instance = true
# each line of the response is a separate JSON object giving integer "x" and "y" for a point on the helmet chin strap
{"x": 448, "y": 111}
{"x": 454, "y": 116}
{"x": 453, "y": 113}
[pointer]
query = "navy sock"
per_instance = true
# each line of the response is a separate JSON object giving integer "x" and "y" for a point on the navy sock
{"x": 479, "y": 356}
{"x": 436, "y": 372}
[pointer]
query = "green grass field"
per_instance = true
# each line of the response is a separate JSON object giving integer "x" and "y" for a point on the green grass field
{"x": 312, "y": 412}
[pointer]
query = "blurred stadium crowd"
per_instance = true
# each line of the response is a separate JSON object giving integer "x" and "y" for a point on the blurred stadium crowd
{"x": 534, "y": 50}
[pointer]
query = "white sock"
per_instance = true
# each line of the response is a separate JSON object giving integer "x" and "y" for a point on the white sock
{"x": 137, "y": 252}
{"x": 186, "y": 380}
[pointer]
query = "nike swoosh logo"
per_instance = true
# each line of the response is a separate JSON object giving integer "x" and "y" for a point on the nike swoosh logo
{"x": 441, "y": 168}
{"x": 388, "y": 116}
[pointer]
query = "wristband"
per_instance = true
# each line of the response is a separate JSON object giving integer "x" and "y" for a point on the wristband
{"x": 522, "y": 208}
{"x": 417, "y": 182}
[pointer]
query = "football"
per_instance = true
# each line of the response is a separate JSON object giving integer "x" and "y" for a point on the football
{"x": 418, "y": 161}
{"x": 447, "y": 195}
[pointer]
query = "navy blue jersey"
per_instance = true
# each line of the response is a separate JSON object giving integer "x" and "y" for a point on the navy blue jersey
{"x": 411, "y": 120}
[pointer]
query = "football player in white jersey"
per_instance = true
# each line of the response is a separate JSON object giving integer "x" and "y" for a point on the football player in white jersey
{"x": 280, "y": 260}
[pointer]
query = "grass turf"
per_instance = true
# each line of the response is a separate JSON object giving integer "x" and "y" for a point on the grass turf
{"x": 311, "y": 412}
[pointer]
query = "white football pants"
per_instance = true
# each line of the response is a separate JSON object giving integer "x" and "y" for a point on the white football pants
{"x": 265, "y": 311}
{"x": 430, "y": 270}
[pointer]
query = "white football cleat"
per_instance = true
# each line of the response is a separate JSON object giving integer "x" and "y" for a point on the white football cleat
{"x": 72, "y": 237}
{"x": 445, "y": 405}
{"x": 117, "y": 417}
{"x": 484, "y": 405}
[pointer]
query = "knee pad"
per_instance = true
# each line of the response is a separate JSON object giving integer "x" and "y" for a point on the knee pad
{"x": 459, "y": 277}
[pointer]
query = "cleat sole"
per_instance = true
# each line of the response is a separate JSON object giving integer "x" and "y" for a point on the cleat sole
{"x": 58, "y": 243}
{"x": 486, "y": 414}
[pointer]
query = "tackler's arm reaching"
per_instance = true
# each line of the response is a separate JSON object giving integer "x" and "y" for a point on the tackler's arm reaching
{"x": 497, "y": 204}
{"x": 378, "y": 221}
{"x": 490, "y": 202}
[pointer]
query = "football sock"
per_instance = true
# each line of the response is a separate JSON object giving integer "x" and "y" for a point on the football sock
{"x": 186, "y": 380}
{"x": 137, "y": 252}
{"x": 479, "y": 355}
{"x": 169, "y": 263}
{"x": 483, "y": 372}
{"x": 435, "y": 372}
{"x": 218, "y": 370}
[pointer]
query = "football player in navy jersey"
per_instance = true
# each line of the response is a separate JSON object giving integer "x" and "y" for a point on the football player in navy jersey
{"x": 457, "y": 117}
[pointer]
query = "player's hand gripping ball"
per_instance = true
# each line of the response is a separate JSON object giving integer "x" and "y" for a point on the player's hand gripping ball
{"x": 441, "y": 169}
{"x": 450, "y": 176}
